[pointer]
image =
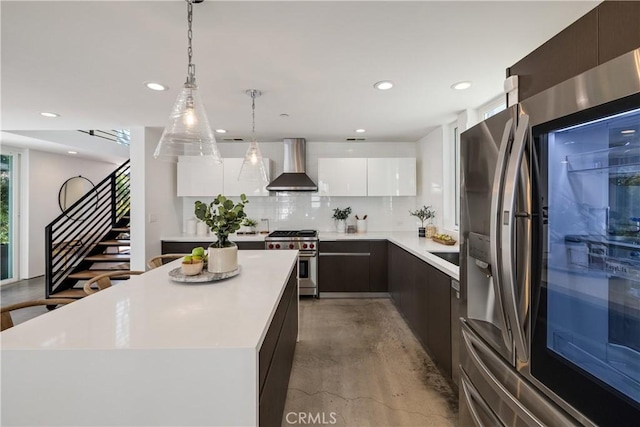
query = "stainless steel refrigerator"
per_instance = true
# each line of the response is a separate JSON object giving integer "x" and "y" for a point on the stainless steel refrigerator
{"x": 550, "y": 256}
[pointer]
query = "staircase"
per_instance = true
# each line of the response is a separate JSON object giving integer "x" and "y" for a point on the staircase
{"x": 91, "y": 237}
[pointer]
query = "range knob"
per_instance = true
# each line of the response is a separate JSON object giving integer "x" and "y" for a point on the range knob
{"x": 312, "y": 246}
{"x": 290, "y": 245}
{"x": 270, "y": 245}
{"x": 304, "y": 246}
{"x": 277, "y": 245}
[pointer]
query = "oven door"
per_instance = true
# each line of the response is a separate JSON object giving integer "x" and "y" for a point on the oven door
{"x": 585, "y": 294}
{"x": 308, "y": 273}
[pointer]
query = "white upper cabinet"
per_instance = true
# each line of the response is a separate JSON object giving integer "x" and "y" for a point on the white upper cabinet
{"x": 391, "y": 176}
{"x": 342, "y": 177}
{"x": 199, "y": 177}
{"x": 233, "y": 187}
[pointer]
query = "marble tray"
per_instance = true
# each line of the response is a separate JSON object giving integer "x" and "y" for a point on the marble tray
{"x": 205, "y": 276}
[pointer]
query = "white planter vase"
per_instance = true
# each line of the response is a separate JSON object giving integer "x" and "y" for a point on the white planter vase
{"x": 341, "y": 225}
{"x": 223, "y": 260}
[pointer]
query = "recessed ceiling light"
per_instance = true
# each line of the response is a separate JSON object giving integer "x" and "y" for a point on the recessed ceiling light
{"x": 360, "y": 130}
{"x": 72, "y": 152}
{"x": 627, "y": 131}
{"x": 156, "y": 86}
{"x": 383, "y": 85}
{"x": 221, "y": 131}
{"x": 49, "y": 114}
{"x": 461, "y": 85}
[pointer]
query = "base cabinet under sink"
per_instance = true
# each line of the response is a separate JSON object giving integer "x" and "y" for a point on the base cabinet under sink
{"x": 422, "y": 295}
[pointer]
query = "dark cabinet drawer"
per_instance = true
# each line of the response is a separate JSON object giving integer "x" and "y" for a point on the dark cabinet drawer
{"x": 353, "y": 266}
{"x": 345, "y": 272}
{"x": 185, "y": 247}
{"x": 359, "y": 246}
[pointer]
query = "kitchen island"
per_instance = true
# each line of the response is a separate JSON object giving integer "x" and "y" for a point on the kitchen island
{"x": 152, "y": 352}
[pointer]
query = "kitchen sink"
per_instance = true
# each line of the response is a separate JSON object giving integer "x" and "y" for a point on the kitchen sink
{"x": 452, "y": 257}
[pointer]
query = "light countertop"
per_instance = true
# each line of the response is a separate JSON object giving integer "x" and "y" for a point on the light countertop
{"x": 159, "y": 352}
{"x": 150, "y": 311}
{"x": 408, "y": 240}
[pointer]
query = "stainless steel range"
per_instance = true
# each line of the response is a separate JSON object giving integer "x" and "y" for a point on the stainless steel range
{"x": 306, "y": 242}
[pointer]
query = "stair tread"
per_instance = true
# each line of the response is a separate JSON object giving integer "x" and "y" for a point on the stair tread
{"x": 69, "y": 293}
{"x": 115, "y": 242}
{"x": 88, "y": 274}
{"x": 121, "y": 229}
{"x": 108, "y": 257}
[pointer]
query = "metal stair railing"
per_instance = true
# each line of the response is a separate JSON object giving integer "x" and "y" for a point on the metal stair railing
{"x": 77, "y": 231}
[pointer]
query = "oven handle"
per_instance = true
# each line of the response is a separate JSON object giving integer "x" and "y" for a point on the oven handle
{"x": 303, "y": 255}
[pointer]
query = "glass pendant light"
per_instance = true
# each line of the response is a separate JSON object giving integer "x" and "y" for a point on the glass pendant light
{"x": 188, "y": 132}
{"x": 253, "y": 167}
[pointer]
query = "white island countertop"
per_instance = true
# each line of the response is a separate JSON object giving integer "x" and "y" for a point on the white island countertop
{"x": 147, "y": 351}
{"x": 407, "y": 240}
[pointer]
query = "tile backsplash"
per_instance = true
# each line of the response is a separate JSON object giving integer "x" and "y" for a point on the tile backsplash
{"x": 308, "y": 210}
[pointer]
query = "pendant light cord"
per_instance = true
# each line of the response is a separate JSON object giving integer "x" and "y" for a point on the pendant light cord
{"x": 191, "y": 68}
{"x": 253, "y": 115}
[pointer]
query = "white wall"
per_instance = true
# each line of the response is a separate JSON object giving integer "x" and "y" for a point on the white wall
{"x": 305, "y": 210}
{"x": 430, "y": 173}
{"x": 155, "y": 209}
{"x": 42, "y": 175}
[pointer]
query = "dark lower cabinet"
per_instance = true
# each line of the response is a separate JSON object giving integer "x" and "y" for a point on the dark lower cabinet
{"x": 439, "y": 318}
{"x": 353, "y": 266}
{"x": 276, "y": 357}
{"x": 185, "y": 247}
{"x": 343, "y": 272}
{"x": 422, "y": 294}
{"x": 378, "y": 266}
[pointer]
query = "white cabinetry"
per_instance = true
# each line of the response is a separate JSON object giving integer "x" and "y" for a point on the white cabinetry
{"x": 342, "y": 177}
{"x": 199, "y": 177}
{"x": 391, "y": 176}
{"x": 233, "y": 187}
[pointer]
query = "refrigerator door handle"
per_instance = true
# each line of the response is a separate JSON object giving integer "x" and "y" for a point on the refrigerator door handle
{"x": 508, "y": 260}
{"x": 494, "y": 232}
{"x": 476, "y": 350}
{"x": 481, "y": 414}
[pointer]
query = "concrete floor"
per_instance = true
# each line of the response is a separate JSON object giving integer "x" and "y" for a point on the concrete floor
{"x": 358, "y": 364}
{"x": 23, "y": 290}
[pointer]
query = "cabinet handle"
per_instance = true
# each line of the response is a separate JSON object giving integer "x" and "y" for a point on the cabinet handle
{"x": 345, "y": 254}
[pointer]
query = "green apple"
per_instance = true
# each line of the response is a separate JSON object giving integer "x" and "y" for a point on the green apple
{"x": 187, "y": 259}
{"x": 199, "y": 251}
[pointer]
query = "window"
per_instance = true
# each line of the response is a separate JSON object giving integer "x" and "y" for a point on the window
{"x": 492, "y": 107}
{"x": 451, "y": 175}
{"x": 8, "y": 217}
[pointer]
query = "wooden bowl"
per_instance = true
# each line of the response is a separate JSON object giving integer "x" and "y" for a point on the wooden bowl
{"x": 192, "y": 269}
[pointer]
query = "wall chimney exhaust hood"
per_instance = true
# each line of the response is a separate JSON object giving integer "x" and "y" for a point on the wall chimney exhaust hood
{"x": 293, "y": 177}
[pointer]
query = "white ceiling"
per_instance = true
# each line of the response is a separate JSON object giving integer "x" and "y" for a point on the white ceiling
{"x": 316, "y": 61}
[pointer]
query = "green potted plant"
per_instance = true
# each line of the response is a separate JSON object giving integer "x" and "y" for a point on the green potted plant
{"x": 423, "y": 214}
{"x": 341, "y": 215}
{"x": 223, "y": 217}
